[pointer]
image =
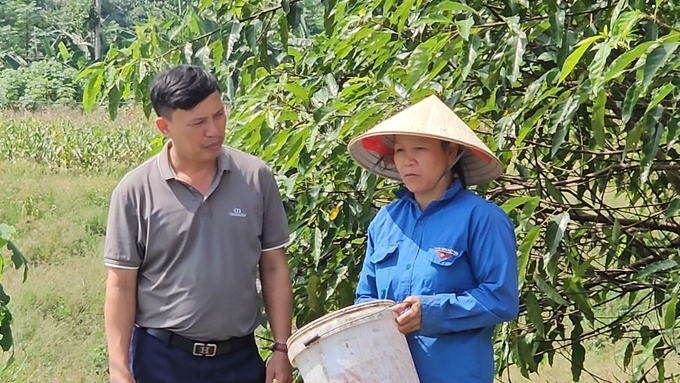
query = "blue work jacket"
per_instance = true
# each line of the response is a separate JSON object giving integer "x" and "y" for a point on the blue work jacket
{"x": 459, "y": 257}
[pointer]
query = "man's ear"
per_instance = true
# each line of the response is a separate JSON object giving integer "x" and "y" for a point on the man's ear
{"x": 162, "y": 125}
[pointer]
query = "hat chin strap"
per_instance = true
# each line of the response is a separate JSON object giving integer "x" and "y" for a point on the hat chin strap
{"x": 452, "y": 164}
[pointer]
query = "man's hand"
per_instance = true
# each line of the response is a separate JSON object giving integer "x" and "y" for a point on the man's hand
{"x": 409, "y": 314}
{"x": 120, "y": 374}
{"x": 278, "y": 367}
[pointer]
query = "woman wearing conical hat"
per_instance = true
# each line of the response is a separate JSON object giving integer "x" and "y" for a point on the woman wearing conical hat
{"x": 446, "y": 255}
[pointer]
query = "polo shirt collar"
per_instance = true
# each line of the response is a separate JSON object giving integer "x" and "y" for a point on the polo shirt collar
{"x": 451, "y": 192}
{"x": 224, "y": 162}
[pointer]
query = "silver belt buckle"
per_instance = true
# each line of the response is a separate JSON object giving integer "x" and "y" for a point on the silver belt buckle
{"x": 205, "y": 349}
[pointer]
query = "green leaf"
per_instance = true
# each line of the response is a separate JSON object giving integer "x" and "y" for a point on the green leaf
{"x": 619, "y": 65}
{"x": 454, "y": 6}
{"x": 628, "y": 354}
{"x": 283, "y": 31}
{"x": 512, "y": 203}
{"x": 298, "y": 91}
{"x": 553, "y": 236}
{"x": 312, "y": 292}
{"x": 672, "y": 208}
{"x": 285, "y": 5}
{"x": 203, "y": 54}
{"x": 596, "y": 68}
{"x": 470, "y": 56}
{"x": 616, "y": 233}
{"x": 598, "y": 118}
{"x": 660, "y": 96}
{"x": 503, "y": 127}
{"x": 318, "y": 239}
{"x": 575, "y": 56}
{"x": 629, "y": 102}
{"x": 673, "y": 130}
{"x": 387, "y": 6}
{"x": 580, "y": 297}
{"x": 332, "y": 85}
{"x": 550, "y": 292}
{"x": 87, "y": 72}
{"x": 4, "y": 298}
{"x": 234, "y": 36}
{"x": 514, "y": 55}
{"x": 624, "y": 25}
{"x": 188, "y": 52}
{"x": 655, "y": 268}
{"x": 655, "y": 60}
{"x": 18, "y": 259}
{"x": 650, "y": 142}
{"x": 6, "y": 341}
{"x": 65, "y": 55}
{"x": 464, "y": 27}
{"x": 560, "y": 120}
{"x": 114, "y": 101}
{"x": 557, "y": 26}
{"x": 432, "y": 19}
{"x": 534, "y": 312}
{"x": 94, "y": 85}
{"x": 217, "y": 48}
{"x": 295, "y": 15}
{"x": 421, "y": 58}
{"x": 645, "y": 356}
{"x": 525, "y": 252}
{"x": 400, "y": 16}
{"x": 671, "y": 312}
{"x": 553, "y": 191}
{"x": 578, "y": 357}
{"x": 6, "y": 231}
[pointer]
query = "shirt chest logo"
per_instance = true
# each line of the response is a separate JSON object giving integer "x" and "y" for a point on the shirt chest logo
{"x": 237, "y": 213}
{"x": 445, "y": 253}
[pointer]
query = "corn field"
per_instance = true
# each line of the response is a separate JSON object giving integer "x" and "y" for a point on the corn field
{"x": 61, "y": 144}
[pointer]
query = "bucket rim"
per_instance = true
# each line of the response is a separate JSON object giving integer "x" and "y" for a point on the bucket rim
{"x": 384, "y": 303}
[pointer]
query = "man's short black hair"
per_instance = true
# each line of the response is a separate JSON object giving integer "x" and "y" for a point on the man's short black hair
{"x": 182, "y": 87}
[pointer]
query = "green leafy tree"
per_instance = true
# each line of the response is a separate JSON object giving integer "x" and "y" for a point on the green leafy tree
{"x": 578, "y": 99}
{"x": 22, "y": 32}
{"x": 40, "y": 84}
{"x": 6, "y": 232}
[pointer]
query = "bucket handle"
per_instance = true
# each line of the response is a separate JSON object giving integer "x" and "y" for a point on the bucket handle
{"x": 319, "y": 336}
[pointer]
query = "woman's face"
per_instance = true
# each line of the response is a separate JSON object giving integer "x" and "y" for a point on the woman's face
{"x": 421, "y": 162}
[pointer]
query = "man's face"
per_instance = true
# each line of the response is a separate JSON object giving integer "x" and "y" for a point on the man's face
{"x": 197, "y": 134}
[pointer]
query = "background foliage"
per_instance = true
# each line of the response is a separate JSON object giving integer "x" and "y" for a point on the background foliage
{"x": 7, "y": 247}
{"x": 578, "y": 99}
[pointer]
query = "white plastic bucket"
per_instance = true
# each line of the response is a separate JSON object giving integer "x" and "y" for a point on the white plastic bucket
{"x": 357, "y": 344}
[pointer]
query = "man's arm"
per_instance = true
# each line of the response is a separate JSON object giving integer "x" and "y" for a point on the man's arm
{"x": 119, "y": 316}
{"x": 278, "y": 302}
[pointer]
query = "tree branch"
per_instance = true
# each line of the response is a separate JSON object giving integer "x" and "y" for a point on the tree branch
{"x": 600, "y": 218}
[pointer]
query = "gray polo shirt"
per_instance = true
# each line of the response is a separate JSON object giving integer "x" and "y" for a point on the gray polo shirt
{"x": 197, "y": 257}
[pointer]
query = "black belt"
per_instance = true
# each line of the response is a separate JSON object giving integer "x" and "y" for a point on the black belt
{"x": 201, "y": 348}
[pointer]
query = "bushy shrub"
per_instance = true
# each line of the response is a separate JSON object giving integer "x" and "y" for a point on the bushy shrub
{"x": 42, "y": 83}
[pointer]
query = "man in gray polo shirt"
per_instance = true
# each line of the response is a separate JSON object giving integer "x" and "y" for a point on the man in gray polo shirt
{"x": 187, "y": 233}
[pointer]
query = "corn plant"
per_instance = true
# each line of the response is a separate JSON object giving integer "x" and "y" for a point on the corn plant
{"x": 62, "y": 145}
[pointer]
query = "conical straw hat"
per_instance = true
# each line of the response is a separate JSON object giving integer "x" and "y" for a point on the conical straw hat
{"x": 430, "y": 118}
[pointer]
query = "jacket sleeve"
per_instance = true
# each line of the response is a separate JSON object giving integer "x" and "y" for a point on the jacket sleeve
{"x": 493, "y": 256}
{"x": 367, "y": 289}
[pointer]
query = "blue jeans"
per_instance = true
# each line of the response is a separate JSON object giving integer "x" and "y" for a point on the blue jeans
{"x": 154, "y": 361}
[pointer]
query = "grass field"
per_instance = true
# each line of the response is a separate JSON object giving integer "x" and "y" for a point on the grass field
{"x": 59, "y": 209}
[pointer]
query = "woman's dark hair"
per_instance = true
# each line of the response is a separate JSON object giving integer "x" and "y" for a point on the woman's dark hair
{"x": 182, "y": 87}
{"x": 457, "y": 169}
